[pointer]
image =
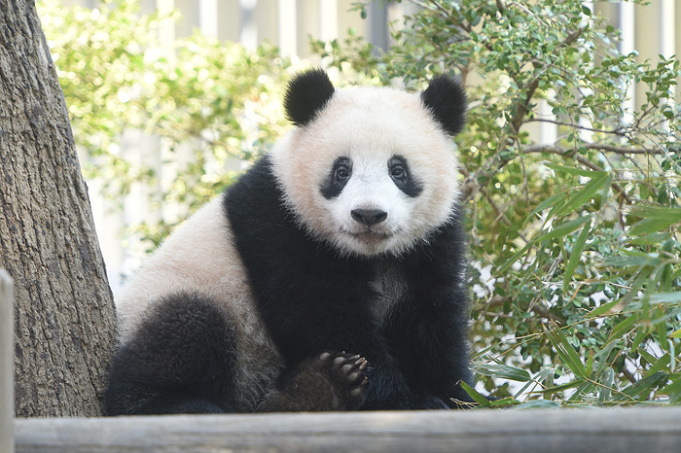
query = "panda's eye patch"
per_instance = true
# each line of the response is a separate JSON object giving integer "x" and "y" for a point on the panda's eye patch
{"x": 400, "y": 174}
{"x": 340, "y": 173}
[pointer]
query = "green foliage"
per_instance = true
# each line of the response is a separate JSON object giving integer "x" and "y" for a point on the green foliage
{"x": 583, "y": 304}
{"x": 205, "y": 101}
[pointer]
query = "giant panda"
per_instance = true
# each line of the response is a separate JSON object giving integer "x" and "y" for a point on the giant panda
{"x": 330, "y": 276}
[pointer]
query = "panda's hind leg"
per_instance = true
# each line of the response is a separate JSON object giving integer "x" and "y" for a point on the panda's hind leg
{"x": 180, "y": 360}
{"x": 324, "y": 382}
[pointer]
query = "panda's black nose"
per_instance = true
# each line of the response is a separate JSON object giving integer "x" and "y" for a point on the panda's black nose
{"x": 368, "y": 216}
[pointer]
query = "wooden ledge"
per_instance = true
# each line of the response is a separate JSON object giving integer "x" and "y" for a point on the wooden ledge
{"x": 641, "y": 429}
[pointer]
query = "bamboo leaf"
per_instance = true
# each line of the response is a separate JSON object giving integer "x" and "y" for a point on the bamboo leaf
{"x": 598, "y": 181}
{"x": 477, "y": 397}
{"x": 566, "y": 352}
{"x": 644, "y": 386}
{"x": 660, "y": 364}
{"x": 665, "y": 298}
{"x": 608, "y": 380}
{"x": 552, "y": 201}
{"x": 609, "y": 308}
{"x": 586, "y": 387}
{"x": 624, "y": 326}
{"x": 654, "y": 225}
{"x": 504, "y": 402}
{"x": 563, "y": 229}
{"x": 503, "y": 371}
{"x": 538, "y": 378}
{"x": 655, "y": 219}
{"x": 507, "y": 265}
{"x": 562, "y": 387}
{"x": 674, "y": 387}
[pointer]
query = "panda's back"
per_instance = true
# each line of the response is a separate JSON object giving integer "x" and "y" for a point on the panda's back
{"x": 200, "y": 258}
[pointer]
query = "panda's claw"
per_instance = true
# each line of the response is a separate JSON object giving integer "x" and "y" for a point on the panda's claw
{"x": 345, "y": 374}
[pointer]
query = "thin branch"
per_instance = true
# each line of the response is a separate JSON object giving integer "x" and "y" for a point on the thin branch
{"x": 431, "y": 6}
{"x": 498, "y": 301}
{"x": 617, "y": 131}
{"x": 500, "y": 214}
{"x": 556, "y": 149}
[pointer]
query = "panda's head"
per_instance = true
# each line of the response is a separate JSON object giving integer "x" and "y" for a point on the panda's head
{"x": 370, "y": 170}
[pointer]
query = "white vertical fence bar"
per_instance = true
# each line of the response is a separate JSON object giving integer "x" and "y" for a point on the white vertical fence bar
{"x": 248, "y": 35}
{"x": 6, "y": 363}
{"x": 208, "y": 18}
{"x": 627, "y": 19}
{"x": 167, "y": 30}
{"x": 328, "y": 19}
{"x": 668, "y": 29}
{"x": 288, "y": 38}
{"x": 548, "y": 131}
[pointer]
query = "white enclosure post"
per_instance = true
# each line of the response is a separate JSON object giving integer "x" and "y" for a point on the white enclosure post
{"x": 6, "y": 363}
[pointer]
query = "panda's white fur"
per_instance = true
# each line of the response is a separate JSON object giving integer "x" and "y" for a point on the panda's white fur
{"x": 369, "y": 125}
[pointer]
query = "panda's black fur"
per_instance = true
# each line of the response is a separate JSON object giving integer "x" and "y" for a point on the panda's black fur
{"x": 350, "y": 331}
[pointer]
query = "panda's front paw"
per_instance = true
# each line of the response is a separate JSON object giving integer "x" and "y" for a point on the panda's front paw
{"x": 328, "y": 381}
{"x": 345, "y": 373}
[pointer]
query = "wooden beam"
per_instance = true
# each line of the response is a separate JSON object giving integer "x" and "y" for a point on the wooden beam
{"x": 6, "y": 362}
{"x": 555, "y": 430}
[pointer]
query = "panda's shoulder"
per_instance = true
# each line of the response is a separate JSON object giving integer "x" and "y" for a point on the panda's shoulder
{"x": 256, "y": 211}
{"x": 254, "y": 191}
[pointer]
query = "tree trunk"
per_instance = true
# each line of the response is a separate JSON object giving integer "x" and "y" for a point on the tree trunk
{"x": 64, "y": 314}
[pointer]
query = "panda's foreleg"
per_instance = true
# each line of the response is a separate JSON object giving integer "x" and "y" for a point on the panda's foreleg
{"x": 428, "y": 330}
{"x": 180, "y": 360}
{"x": 323, "y": 303}
{"x": 343, "y": 322}
{"x": 324, "y": 382}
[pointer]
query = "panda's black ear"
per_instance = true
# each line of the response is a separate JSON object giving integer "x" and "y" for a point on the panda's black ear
{"x": 306, "y": 95}
{"x": 446, "y": 100}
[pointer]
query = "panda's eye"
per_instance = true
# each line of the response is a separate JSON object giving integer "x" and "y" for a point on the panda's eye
{"x": 398, "y": 171}
{"x": 342, "y": 173}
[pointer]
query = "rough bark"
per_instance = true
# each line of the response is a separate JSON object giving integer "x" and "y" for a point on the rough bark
{"x": 64, "y": 315}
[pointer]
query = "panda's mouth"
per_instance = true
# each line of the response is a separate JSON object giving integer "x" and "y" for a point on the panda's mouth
{"x": 371, "y": 237}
